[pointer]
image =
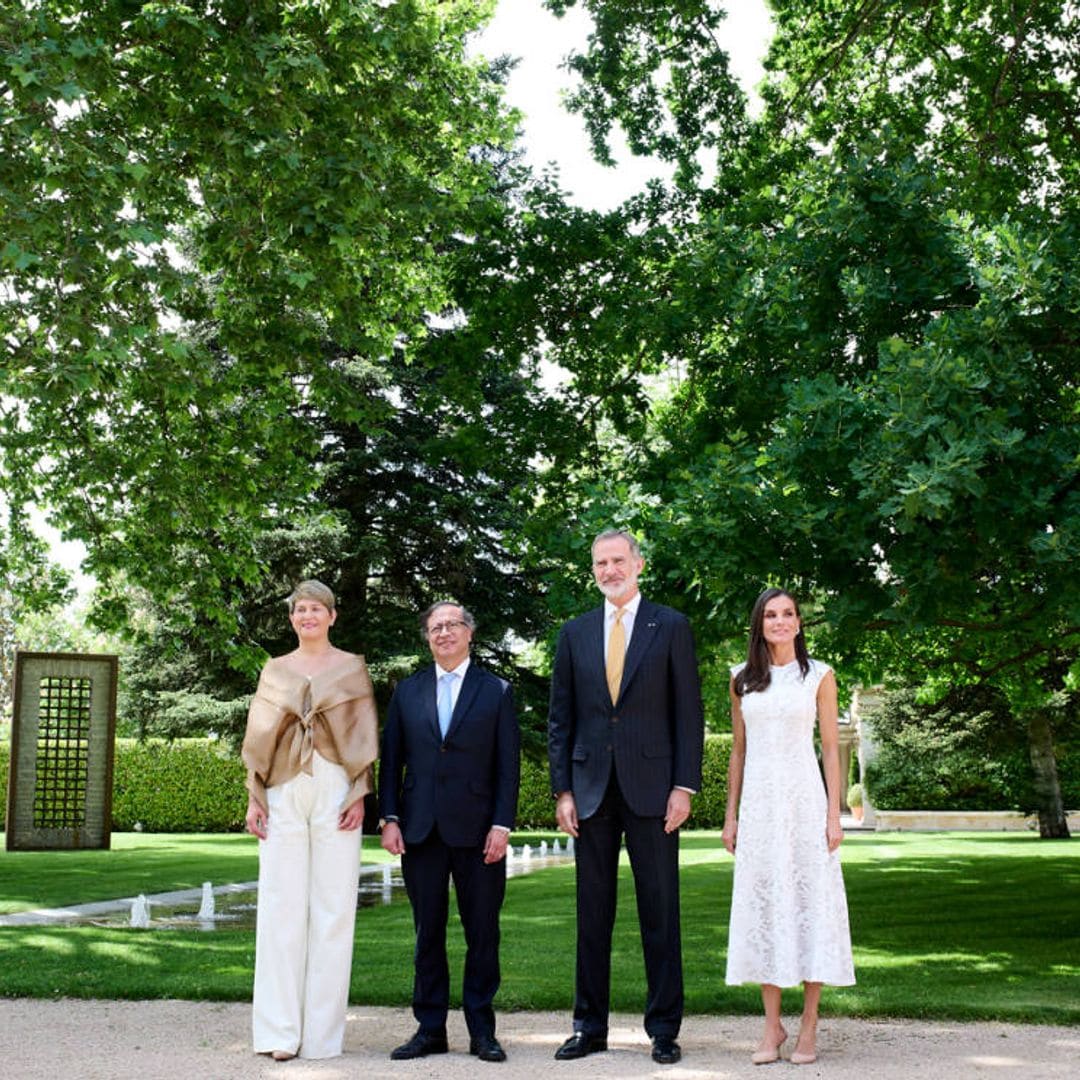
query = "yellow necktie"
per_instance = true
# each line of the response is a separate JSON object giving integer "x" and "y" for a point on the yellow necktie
{"x": 616, "y": 655}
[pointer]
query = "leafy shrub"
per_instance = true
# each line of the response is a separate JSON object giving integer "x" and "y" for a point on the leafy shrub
{"x": 965, "y": 753}
{"x": 710, "y": 803}
{"x": 536, "y": 807}
{"x": 1068, "y": 763}
{"x": 191, "y": 785}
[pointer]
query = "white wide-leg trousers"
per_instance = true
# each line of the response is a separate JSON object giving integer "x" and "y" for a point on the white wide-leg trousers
{"x": 308, "y": 877}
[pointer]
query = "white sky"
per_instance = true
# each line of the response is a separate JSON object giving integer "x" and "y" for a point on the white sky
{"x": 523, "y": 28}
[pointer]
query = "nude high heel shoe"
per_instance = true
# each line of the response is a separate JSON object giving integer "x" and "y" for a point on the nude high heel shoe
{"x": 801, "y": 1057}
{"x": 767, "y": 1056}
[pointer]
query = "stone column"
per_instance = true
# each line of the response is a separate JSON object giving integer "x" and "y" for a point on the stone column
{"x": 864, "y": 700}
{"x": 847, "y": 744}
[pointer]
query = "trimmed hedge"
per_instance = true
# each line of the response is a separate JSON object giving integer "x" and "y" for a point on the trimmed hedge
{"x": 197, "y": 785}
{"x": 190, "y": 785}
{"x": 711, "y": 802}
{"x": 536, "y": 807}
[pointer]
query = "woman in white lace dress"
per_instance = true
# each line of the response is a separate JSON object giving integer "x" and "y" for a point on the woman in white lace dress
{"x": 789, "y": 922}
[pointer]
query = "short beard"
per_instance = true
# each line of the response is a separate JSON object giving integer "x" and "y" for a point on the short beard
{"x": 613, "y": 592}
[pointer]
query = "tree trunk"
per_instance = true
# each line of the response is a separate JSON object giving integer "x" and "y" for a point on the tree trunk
{"x": 1052, "y": 823}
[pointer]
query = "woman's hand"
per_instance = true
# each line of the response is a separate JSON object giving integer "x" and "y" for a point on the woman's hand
{"x": 352, "y": 817}
{"x": 257, "y": 819}
{"x": 731, "y": 830}
{"x": 834, "y": 833}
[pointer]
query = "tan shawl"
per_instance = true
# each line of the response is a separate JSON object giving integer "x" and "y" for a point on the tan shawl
{"x": 292, "y": 715}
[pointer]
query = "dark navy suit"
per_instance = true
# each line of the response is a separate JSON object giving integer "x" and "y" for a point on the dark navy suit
{"x": 621, "y": 762}
{"x": 446, "y": 795}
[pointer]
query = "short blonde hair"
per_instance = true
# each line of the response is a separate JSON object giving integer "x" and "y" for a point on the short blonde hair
{"x": 312, "y": 590}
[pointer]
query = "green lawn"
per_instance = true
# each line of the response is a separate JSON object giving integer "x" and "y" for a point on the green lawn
{"x": 137, "y": 863}
{"x": 962, "y": 926}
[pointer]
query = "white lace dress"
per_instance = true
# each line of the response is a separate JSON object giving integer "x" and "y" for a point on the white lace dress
{"x": 789, "y": 921}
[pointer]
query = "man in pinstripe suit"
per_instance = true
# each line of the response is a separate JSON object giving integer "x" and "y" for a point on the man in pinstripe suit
{"x": 625, "y": 735}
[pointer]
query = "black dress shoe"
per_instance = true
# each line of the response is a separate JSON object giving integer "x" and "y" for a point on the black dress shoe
{"x": 487, "y": 1048}
{"x": 665, "y": 1050}
{"x": 420, "y": 1045}
{"x": 579, "y": 1044}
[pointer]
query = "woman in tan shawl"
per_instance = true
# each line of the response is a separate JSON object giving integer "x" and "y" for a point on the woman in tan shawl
{"x": 312, "y": 736}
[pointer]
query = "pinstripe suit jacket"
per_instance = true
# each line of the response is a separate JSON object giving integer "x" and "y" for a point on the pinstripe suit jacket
{"x": 652, "y": 736}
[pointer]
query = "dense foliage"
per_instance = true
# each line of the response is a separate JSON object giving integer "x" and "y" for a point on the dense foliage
{"x": 256, "y": 330}
{"x": 30, "y": 583}
{"x": 536, "y": 806}
{"x": 963, "y": 753}
{"x": 215, "y": 216}
{"x": 873, "y": 311}
{"x": 274, "y": 296}
{"x": 187, "y": 786}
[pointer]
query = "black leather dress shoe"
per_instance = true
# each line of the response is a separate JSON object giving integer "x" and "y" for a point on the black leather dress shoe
{"x": 579, "y": 1044}
{"x": 665, "y": 1050}
{"x": 420, "y": 1045}
{"x": 487, "y": 1048}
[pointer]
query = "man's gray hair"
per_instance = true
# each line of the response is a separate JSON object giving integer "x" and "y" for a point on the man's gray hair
{"x": 619, "y": 534}
{"x": 466, "y": 615}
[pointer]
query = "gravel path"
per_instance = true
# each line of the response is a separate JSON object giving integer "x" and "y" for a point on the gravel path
{"x": 182, "y": 1040}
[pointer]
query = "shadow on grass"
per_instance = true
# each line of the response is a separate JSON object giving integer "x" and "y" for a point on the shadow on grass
{"x": 136, "y": 864}
{"x": 983, "y": 930}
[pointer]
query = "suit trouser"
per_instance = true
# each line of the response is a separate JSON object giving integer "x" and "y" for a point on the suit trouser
{"x": 308, "y": 877}
{"x": 480, "y": 887}
{"x": 654, "y": 860}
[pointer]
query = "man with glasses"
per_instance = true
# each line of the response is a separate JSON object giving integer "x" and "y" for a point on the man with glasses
{"x": 448, "y": 788}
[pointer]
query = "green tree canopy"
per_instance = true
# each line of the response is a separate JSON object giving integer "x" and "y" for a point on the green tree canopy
{"x": 874, "y": 314}
{"x": 196, "y": 199}
{"x": 30, "y": 582}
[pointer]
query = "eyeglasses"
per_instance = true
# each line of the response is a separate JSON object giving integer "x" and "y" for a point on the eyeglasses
{"x": 445, "y": 627}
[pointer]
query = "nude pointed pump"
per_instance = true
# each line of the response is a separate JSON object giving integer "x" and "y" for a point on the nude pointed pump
{"x": 768, "y": 1056}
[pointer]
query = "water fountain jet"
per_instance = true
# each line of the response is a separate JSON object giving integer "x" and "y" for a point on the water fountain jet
{"x": 140, "y": 912}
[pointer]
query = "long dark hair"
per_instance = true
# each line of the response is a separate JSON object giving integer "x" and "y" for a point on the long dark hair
{"x": 756, "y": 676}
